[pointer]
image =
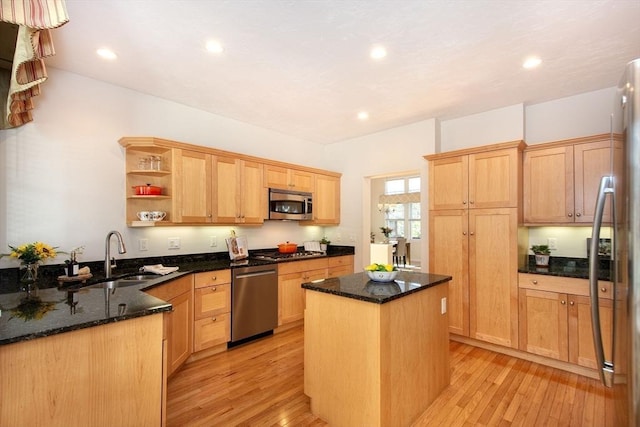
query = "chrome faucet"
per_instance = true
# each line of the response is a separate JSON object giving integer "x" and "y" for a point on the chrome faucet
{"x": 107, "y": 251}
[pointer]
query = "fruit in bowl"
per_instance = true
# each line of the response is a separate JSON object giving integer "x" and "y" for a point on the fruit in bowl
{"x": 381, "y": 272}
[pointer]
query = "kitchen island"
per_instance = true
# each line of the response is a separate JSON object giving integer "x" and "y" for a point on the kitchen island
{"x": 375, "y": 354}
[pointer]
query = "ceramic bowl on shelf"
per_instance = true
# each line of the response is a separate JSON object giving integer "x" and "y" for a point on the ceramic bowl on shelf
{"x": 382, "y": 276}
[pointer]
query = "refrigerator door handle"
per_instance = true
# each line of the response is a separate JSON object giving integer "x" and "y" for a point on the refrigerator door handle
{"x": 605, "y": 368}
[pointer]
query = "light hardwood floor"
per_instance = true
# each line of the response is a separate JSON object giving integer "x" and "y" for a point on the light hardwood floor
{"x": 261, "y": 383}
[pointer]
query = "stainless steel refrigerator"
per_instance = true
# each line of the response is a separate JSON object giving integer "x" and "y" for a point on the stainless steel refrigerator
{"x": 622, "y": 372}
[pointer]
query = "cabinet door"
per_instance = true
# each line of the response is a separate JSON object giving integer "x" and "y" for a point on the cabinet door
{"x": 494, "y": 179}
{"x": 179, "y": 333}
{"x": 592, "y": 161}
{"x": 543, "y": 323}
{"x": 581, "y": 347}
{"x": 448, "y": 249}
{"x": 493, "y": 276}
{"x": 252, "y": 196}
{"x": 302, "y": 180}
{"x": 326, "y": 200}
{"x": 288, "y": 179}
{"x": 226, "y": 190}
{"x": 448, "y": 183}
{"x": 291, "y": 294}
{"x": 193, "y": 184}
{"x": 548, "y": 185}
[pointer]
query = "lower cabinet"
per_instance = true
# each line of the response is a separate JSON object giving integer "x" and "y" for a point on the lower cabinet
{"x": 212, "y": 309}
{"x": 291, "y": 275}
{"x": 178, "y": 322}
{"x": 555, "y": 318}
{"x": 340, "y": 266}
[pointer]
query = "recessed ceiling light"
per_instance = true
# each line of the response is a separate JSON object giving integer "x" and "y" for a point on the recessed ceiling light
{"x": 106, "y": 53}
{"x": 363, "y": 115}
{"x": 214, "y": 46}
{"x": 378, "y": 52}
{"x": 531, "y": 62}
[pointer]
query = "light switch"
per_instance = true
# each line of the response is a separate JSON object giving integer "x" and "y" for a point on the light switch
{"x": 174, "y": 243}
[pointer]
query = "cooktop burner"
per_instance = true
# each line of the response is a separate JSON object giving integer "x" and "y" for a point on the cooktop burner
{"x": 277, "y": 256}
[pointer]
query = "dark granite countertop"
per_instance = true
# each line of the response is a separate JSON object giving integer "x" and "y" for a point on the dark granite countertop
{"x": 568, "y": 267}
{"x": 358, "y": 286}
{"x": 67, "y": 307}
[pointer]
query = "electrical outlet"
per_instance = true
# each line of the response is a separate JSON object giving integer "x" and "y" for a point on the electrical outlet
{"x": 213, "y": 241}
{"x": 552, "y": 242}
{"x": 443, "y": 305}
{"x": 338, "y": 237}
{"x": 143, "y": 244}
{"x": 174, "y": 243}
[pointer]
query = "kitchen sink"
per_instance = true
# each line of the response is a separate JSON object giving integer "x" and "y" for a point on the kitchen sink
{"x": 139, "y": 278}
{"x": 123, "y": 282}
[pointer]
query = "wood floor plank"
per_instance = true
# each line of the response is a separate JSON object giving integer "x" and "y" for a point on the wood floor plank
{"x": 261, "y": 384}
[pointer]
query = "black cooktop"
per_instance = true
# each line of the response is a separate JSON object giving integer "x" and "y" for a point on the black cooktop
{"x": 277, "y": 256}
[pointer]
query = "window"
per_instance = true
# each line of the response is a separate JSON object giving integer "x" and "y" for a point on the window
{"x": 402, "y": 207}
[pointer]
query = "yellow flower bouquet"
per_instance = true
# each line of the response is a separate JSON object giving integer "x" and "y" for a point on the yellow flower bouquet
{"x": 30, "y": 253}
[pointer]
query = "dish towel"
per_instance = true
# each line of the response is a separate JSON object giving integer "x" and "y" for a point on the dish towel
{"x": 159, "y": 269}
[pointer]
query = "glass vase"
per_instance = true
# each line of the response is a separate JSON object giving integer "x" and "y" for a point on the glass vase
{"x": 29, "y": 279}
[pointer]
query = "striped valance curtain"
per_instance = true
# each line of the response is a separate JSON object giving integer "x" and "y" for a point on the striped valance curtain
{"x": 34, "y": 19}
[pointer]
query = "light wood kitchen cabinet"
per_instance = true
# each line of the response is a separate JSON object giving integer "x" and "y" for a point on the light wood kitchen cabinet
{"x": 193, "y": 183}
{"x": 340, "y": 266}
{"x": 561, "y": 180}
{"x": 137, "y": 174}
{"x": 212, "y": 309}
{"x": 288, "y": 178}
{"x": 475, "y": 179}
{"x": 555, "y": 318}
{"x": 473, "y": 237}
{"x": 291, "y": 275}
{"x": 238, "y": 194}
{"x": 326, "y": 200}
{"x": 178, "y": 323}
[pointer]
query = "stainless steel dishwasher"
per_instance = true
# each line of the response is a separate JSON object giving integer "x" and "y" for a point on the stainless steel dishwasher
{"x": 254, "y": 301}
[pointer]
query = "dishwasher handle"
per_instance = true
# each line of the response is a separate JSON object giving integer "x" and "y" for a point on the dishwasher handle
{"x": 254, "y": 274}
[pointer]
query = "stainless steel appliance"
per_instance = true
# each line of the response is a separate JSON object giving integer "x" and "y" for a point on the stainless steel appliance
{"x": 623, "y": 371}
{"x": 290, "y": 205}
{"x": 254, "y": 301}
{"x": 277, "y": 256}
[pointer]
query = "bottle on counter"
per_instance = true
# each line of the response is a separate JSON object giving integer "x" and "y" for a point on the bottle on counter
{"x": 72, "y": 265}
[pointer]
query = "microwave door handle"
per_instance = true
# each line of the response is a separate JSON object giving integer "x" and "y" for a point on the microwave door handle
{"x": 605, "y": 369}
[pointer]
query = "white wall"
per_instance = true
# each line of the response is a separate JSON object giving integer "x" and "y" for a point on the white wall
{"x": 490, "y": 127}
{"x": 62, "y": 175}
{"x": 395, "y": 151}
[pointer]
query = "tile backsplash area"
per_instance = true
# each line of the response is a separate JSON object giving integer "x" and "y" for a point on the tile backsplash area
{"x": 570, "y": 241}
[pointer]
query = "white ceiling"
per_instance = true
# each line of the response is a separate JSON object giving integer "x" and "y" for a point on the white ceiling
{"x": 302, "y": 67}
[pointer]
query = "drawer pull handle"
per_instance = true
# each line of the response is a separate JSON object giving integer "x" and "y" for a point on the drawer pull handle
{"x": 563, "y": 302}
{"x": 214, "y": 319}
{"x": 603, "y": 290}
{"x": 214, "y": 278}
{"x": 535, "y": 282}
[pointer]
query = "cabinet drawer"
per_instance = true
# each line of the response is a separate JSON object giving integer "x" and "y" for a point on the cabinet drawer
{"x": 567, "y": 285}
{"x": 340, "y": 270}
{"x": 298, "y": 266}
{"x": 212, "y": 300}
{"x": 209, "y": 278}
{"x": 211, "y": 331}
{"x": 340, "y": 261}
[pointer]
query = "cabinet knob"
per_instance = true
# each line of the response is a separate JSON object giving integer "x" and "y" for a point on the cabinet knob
{"x": 464, "y": 233}
{"x": 214, "y": 278}
{"x": 571, "y": 303}
{"x": 214, "y": 319}
{"x": 213, "y": 289}
{"x": 578, "y": 214}
{"x": 570, "y": 215}
{"x": 603, "y": 290}
{"x": 464, "y": 202}
{"x": 471, "y": 201}
{"x": 472, "y": 233}
{"x": 535, "y": 282}
{"x": 563, "y": 302}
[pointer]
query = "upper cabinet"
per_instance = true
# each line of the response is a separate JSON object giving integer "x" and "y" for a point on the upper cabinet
{"x": 561, "y": 180}
{"x": 288, "y": 179}
{"x": 466, "y": 179}
{"x": 238, "y": 192}
{"x": 201, "y": 185}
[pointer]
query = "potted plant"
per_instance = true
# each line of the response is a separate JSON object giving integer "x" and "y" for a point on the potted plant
{"x": 386, "y": 231}
{"x": 324, "y": 242}
{"x": 541, "y": 253}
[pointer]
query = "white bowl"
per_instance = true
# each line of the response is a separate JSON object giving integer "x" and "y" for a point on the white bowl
{"x": 382, "y": 276}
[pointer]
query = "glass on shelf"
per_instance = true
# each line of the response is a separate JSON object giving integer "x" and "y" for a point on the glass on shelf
{"x": 144, "y": 163}
{"x": 156, "y": 163}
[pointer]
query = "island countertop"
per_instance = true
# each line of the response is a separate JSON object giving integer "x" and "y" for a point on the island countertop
{"x": 359, "y": 286}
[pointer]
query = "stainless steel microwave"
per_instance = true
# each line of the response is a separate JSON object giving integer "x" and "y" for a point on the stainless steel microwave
{"x": 290, "y": 205}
